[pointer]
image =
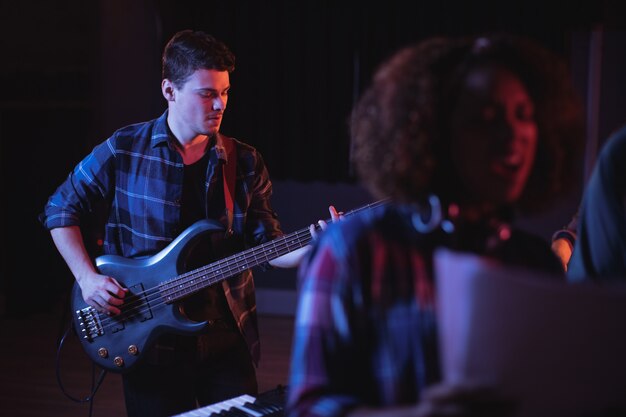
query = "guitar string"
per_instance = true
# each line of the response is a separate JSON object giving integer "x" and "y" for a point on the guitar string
{"x": 129, "y": 308}
{"x": 142, "y": 299}
{"x": 135, "y": 307}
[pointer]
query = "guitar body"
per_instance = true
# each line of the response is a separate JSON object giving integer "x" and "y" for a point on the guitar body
{"x": 158, "y": 284}
{"x": 116, "y": 343}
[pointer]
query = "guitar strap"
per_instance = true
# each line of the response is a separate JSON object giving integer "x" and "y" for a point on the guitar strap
{"x": 229, "y": 175}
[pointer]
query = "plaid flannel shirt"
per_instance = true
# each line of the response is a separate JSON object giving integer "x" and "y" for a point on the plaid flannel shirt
{"x": 139, "y": 174}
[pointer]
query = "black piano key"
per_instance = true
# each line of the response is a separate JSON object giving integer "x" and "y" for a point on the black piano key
{"x": 256, "y": 407}
{"x": 234, "y": 412}
{"x": 251, "y": 406}
{"x": 263, "y": 407}
{"x": 270, "y": 406}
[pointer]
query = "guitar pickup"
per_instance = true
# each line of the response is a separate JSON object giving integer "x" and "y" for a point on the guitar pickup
{"x": 136, "y": 305}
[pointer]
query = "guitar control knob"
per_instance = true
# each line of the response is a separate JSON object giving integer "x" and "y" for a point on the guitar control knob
{"x": 118, "y": 361}
{"x": 132, "y": 349}
{"x": 103, "y": 352}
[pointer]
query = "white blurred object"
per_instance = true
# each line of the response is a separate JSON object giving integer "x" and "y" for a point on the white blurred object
{"x": 558, "y": 348}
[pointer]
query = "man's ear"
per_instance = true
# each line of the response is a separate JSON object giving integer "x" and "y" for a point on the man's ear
{"x": 167, "y": 88}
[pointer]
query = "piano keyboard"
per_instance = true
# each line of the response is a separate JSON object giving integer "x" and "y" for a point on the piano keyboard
{"x": 269, "y": 404}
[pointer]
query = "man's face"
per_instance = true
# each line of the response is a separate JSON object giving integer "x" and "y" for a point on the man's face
{"x": 198, "y": 105}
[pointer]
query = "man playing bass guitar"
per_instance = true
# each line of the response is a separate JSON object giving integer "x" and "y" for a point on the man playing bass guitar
{"x": 158, "y": 179}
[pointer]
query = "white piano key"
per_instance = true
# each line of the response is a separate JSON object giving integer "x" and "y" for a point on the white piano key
{"x": 237, "y": 402}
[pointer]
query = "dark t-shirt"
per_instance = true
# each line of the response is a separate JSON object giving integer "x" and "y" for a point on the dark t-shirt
{"x": 210, "y": 303}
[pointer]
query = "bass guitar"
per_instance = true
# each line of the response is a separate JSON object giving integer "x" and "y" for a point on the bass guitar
{"x": 156, "y": 287}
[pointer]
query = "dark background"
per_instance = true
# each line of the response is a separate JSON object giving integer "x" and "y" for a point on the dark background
{"x": 73, "y": 71}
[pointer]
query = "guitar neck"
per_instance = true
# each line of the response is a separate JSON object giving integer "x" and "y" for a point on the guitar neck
{"x": 198, "y": 279}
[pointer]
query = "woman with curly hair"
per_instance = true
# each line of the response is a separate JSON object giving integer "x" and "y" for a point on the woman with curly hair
{"x": 460, "y": 135}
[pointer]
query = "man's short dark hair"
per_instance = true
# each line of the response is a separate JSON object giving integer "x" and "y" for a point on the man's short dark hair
{"x": 188, "y": 51}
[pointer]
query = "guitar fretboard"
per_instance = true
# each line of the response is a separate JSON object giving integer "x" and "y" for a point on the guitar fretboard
{"x": 198, "y": 279}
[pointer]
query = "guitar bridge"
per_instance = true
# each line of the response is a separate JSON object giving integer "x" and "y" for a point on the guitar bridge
{"x": 89, "y": 322}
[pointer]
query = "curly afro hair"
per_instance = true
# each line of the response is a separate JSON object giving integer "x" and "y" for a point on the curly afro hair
{"x": 400, "y": 125}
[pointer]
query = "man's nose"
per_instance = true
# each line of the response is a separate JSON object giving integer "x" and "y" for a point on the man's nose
{"x": 219, "y": 103}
